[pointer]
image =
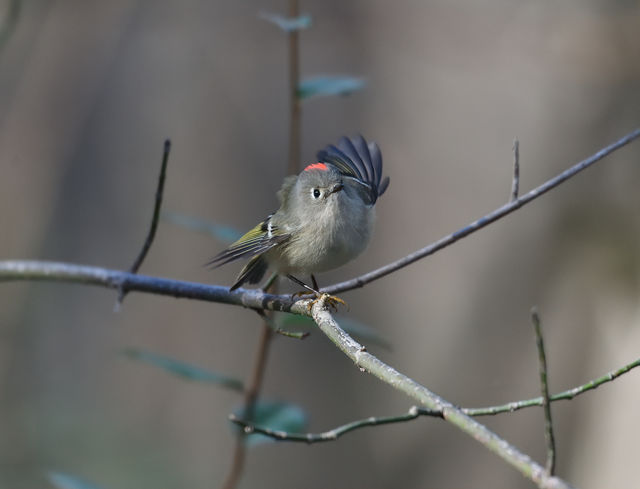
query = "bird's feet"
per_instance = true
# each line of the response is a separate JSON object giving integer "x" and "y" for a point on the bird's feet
{"x": 331, "y": 300}
{"x": 301, "y": 293}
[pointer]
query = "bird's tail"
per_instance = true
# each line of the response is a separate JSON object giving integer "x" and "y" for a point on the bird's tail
{"x": 252, "y": 272}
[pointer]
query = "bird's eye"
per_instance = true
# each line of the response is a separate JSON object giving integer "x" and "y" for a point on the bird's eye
{"x": 315, "y": 193}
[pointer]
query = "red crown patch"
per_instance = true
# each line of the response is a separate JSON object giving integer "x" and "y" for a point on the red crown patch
{"x": 316, "y": 166}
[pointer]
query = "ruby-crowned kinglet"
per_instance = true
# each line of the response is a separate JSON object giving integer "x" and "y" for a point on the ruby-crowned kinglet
{"x": 325, "y": 218}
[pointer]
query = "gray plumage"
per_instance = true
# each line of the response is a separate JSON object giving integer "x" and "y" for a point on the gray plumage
{"x": 326, "y": 216}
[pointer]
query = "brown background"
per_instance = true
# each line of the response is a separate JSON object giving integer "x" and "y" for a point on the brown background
{"x": 88, "y": 91}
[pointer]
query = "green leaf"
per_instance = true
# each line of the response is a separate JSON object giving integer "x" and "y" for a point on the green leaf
{"x": 288, "y": 24}
{"x": 304, "y": 322}
{"x": 326, "y": 85}
{"x": 225, "y": 234}
{"x": 182, "y": 369}
{"x": 66, "y": 481}
{"x": 360, "y": 331}
{"x": 279, "y": 416}
{"x": 277, "y": 328}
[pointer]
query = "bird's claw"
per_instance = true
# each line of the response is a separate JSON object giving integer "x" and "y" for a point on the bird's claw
{"x": 301, "y": 293}
{"x": 331, "y": 300}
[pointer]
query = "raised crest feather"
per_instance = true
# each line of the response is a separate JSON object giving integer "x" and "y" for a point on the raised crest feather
{"x": 356, "y": 158}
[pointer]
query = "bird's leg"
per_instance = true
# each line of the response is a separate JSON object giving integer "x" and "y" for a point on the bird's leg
{"x": 333, "y": 301}
{"x": 302, "y": 284}
{"x": 314, "y": 282}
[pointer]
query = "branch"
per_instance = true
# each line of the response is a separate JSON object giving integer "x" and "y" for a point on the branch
{"x": 561, "y": 396}
{"x": 371, "y": 364}
{"x": 15, "y": 270}
{"x": 297, "y": 335}
{"x": 154, "y": 219}
{"x": 156, "y": 209}
{"x": 41, "y": 270}
{"x": 8, "y": 26}
{"x": 335, "y": 433}
{"x": 483, "y": 221}
{"x": 250, "y": 398}
{"x": 544, "y": 388}
{"x": 415, "y": 412}
{"x": 515, "y": 184}
{"x": 294, "y": 99}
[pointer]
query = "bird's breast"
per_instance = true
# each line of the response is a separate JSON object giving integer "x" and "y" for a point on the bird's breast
{"x": 334, "y": 236}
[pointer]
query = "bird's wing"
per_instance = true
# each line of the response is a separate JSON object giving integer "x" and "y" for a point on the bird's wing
{"x": 356, "y": 158}
{"x": 259, "y": 240}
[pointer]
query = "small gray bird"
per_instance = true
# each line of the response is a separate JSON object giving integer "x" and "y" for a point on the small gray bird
{"x": 325, "y": 219}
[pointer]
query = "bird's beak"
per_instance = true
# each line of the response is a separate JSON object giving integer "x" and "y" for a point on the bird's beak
{"x": 336, "y": 188}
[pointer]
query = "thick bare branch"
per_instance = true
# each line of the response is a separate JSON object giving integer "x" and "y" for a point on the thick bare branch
{"x": 18, "y": 270}
{"x": 371, "y": 364}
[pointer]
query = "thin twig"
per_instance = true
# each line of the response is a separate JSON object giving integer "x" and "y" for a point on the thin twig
{"x": 415, "y": 412}
{"x": 483, "y": 221}
{"x": 294, "y": 99}
{"x": 8, "y": 26}
{"x": 298, "y": 335}
{"x": 367, "y": 362}
{"x": 560, "y": 396}
{"x": 335, "y": 433}
{"x": 515, "y": 184}
{"x": 544, "y": 388}
{"x": 154, "y": 219}
{"x": 156, "y": 209}
{"x": 237, "y": 463}
{"x": 251, "y": 394}
{"x": 250, "y": 398}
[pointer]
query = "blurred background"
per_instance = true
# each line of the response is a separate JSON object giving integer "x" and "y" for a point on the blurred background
{"x": 90, "y": 89}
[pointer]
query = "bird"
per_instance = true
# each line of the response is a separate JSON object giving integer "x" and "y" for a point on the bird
{"x": 325, "y": 219}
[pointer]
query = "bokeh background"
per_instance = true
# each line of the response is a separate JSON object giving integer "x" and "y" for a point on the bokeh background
{"x": 90, "y": 89}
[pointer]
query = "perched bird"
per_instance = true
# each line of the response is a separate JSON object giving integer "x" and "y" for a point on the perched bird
{"x": 325, "y": 218}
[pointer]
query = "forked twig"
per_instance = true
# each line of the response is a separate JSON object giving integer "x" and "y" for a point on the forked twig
{"x": 154, "y": 220}
{"x": 415, "y": 412}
